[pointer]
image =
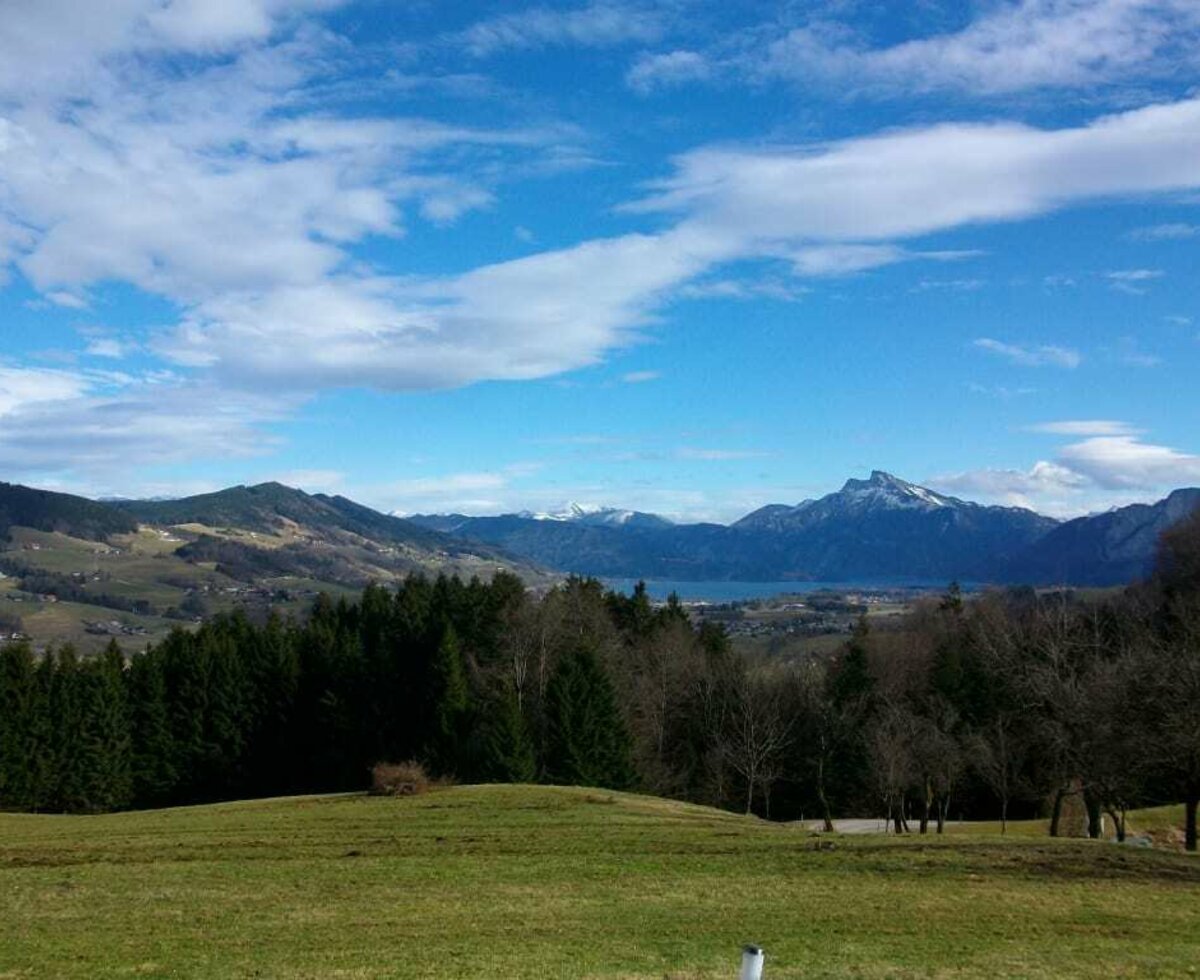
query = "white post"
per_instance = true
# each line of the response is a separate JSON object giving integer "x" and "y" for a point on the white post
{"x": 752, "y": 963}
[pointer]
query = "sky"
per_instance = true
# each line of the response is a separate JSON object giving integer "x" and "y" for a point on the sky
{"x": 687, "y": 257}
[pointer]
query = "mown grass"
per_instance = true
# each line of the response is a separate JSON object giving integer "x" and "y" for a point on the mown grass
{"x": 503, "y": 881}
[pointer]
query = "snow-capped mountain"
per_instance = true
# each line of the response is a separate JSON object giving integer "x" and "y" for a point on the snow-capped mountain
{"x": 597, "y": 515}
{"x": 879, "y": 529}
{"x": 881, "y": 492}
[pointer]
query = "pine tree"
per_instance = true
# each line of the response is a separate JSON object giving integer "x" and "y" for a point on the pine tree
{"x": 17, "y": 706}
{"x": 67, "y": 707}
{"x": 153, "y": 746}
{"x": 107, "y": 777}
{"x": 450, "y": 699}
{"x": 587, "y": 741}
{"x": 508, "y": 754}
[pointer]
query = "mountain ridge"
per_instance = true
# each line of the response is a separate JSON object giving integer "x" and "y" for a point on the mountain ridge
{"x": 879, "y": 528}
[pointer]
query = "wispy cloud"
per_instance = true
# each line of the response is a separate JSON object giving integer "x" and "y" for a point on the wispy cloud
{"x": 1012, "y": 46}
{"x": 1132, "y": 281}
{"x": 640, "y": 377}
{"x": 1085, "y": 427}
{"x": 598, "y": 24}
{"x": 717, "y": 455}
{"x": 1165, "y": 233}
{"x": 657, "y": 71}
{"x": 1042, "y": 355}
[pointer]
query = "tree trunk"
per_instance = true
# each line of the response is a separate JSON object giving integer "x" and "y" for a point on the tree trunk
{"x": 826, "y": 813}
{"x": 1118, "y": 817}
{"x": 928, "y": 805}
{"x": 942, "y": 811}
{"x": 1189, "y": 808}
{"x": 1060, "y": 795}
{"x": 1004, "y": 815}
{"x": 1094, "y": 830}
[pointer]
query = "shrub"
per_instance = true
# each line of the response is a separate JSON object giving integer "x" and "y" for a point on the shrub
{"x": 399, "y": 779}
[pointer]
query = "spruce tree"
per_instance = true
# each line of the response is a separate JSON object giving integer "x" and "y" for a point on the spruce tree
{"x": 450, "y": 699}
{"x": 106, "y": 771}
{"x": 153, "y": 746}
{"x": 508, "y": 753}
{"x": 587, "y": 743}
{"x": 67, "y": 707}
{"x": 17, "y": 706}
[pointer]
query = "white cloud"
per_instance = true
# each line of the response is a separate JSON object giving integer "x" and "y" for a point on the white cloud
{"x": 655, "y": 71}
{"x": 1135, "y": 275}
{"x": 1085, "y": 427}
{"x": 106, "y": 347}
{"x": 717, "y": 455}
{"x": 1165, "y": 233}
{"x": 1108, "y": 466}
{"x": 1042, "y": 355}
{"x": 1011, "y": 47}
{"x": 598, "y": 24}
{"x": 1124, "y": 462}
{"x": 1132, "y": 280}
{"x": 115, "y": 424}
{"x": 640, "y": 377}
{"x": 919, "y": 181}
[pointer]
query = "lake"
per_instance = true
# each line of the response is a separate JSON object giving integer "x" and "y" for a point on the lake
{"x": 737, "y": 591}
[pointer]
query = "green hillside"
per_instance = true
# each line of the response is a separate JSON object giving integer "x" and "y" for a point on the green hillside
{"x": 80, "y": 571}
{"x": 44, "y": 510}
{"x": 510, "y": 881}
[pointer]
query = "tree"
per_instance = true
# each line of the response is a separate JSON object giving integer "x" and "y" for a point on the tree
{"x": 757, "y": 737}
{"x": 508, "y": 752}
{"x": 450, "y": 698}
{"x": 587, "y": 743}
{"x": 153, "y": 751}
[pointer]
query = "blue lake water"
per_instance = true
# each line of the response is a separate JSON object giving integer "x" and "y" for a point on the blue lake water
{"x": 736, "y": 591}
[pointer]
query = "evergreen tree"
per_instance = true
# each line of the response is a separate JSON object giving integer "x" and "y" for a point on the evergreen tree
{"x": 68, "y": 707}
{"x": 587, "y": 741}
{"x": 508, "y": 753}
{"x": 450, "y": 698}
{"x": 17, "y": 708}
{"x": 105, "y": 767}
{"x": 153, "y": 751}
{"x": 43, "y": 766}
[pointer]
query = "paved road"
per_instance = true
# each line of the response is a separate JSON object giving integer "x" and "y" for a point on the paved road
{"x": 850, "y": 826}
{"x": 876, "y": 826}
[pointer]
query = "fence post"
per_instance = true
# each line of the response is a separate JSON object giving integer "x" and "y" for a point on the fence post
{"x": 752, "y": 963}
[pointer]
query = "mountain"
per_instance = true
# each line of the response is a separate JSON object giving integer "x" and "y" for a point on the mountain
{"x": 44, "y": 510}
{"x": 600, "y": 516}
{"x": 581, "y": 514}
{"x": 882, "y": 528}
{"x": 274, "y": 529}
{"x": 87, "y": 572}
{"x": 1103, "y": 549}
{"x": 887, "y": 528}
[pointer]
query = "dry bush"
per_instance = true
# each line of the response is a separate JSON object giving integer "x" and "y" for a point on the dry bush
{"x": 399, "y": 779}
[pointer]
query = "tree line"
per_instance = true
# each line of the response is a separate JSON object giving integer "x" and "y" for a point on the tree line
{"x": 1010, "y": 703}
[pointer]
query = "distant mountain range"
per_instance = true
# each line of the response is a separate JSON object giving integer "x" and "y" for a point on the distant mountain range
{"x": 882, "y": 529}
{"x": 88, "y": 571}
{"x": 879, "y": 529}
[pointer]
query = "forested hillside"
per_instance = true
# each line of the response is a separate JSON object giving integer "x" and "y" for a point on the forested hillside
{"x": 1012, "y": 702}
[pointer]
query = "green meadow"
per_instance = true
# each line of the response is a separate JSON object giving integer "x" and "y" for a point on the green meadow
{"x": 519, "y": 881}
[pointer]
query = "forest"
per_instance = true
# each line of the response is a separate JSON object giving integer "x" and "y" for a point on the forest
{"x": 988, "y": 706}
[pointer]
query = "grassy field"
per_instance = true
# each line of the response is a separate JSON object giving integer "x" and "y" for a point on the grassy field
{"x": 497, "y": 882}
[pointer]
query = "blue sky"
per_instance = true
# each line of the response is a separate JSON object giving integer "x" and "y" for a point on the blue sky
{"x": 689, "y": 257}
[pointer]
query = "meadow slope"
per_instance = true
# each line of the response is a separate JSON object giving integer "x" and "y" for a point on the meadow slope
{"x": 511, "y": 881}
